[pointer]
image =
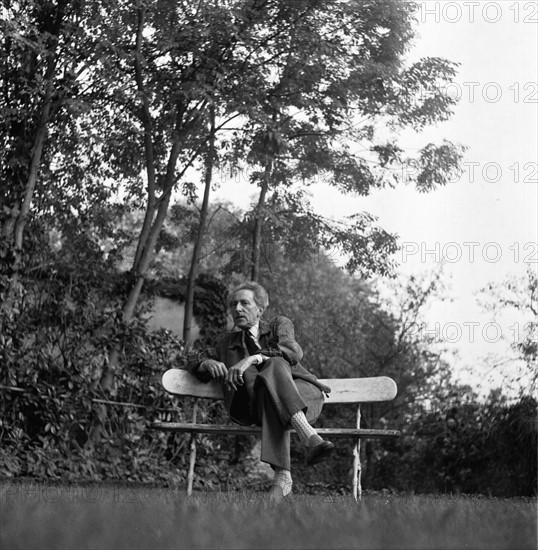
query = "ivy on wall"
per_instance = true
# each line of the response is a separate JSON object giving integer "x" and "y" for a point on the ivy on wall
{"x": 210, "y": 302}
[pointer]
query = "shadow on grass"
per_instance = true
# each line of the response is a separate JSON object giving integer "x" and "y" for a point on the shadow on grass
{"x": 51, "y": 516}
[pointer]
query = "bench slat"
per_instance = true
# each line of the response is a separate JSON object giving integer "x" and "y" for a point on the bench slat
{"x": 344, "y": 390}
{"x": 213, "y": 429}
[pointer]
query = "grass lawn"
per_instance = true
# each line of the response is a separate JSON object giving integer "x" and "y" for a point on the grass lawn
{"x": 49, "y": 516}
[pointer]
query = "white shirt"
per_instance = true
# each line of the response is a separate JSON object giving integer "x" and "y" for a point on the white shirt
{"x": 255, "y": 330}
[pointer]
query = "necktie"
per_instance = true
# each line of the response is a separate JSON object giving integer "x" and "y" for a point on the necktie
{"x": 250, "y": 343}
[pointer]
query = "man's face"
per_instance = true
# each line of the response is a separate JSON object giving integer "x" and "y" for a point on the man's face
{"x": 244, "y": 310}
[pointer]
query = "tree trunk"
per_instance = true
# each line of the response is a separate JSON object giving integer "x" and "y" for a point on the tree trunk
{"x": 147, "y": 122}
{"x": 258, "y": 223}
{"x": 195, "y": 261}
{"x": 152, "y": 223}
{"x": 107, "y": 378}
{"x": 15, "y": 229}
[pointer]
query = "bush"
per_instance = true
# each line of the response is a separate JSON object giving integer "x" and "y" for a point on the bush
{"x": 55, "y": 420}
{"x": 487, "y": 448}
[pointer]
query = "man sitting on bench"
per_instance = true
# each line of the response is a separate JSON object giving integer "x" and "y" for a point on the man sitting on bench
{"x": 265, "y": 384}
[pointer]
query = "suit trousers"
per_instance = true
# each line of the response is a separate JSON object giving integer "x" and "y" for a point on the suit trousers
{"x": 269, "y": 398}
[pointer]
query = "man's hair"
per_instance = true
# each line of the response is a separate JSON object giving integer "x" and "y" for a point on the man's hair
{"x": 261, "y": 297}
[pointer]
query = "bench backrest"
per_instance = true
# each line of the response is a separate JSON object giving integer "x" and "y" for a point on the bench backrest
{"x": 344, "y": 390}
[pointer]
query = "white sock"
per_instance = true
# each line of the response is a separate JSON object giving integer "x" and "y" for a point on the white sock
{"x": 304, "y": 429}
{"x": 283, "y": 479}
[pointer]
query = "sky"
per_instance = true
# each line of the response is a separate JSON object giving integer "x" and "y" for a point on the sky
{"x": 484, "y": 226}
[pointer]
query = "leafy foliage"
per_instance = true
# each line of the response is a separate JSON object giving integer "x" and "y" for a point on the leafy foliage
{"x": 466, "y": 447}
{"x": 519, "y": 296}
{"x": 112, "y": 100}
{"x": 210, "y": 306}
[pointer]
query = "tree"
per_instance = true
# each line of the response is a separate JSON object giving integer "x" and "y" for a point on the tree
{"x": 35, "y": 48}
{"x": 184, "y": 70}
{"x": 144, "y": 77}
{"x": 517, "y": 296}
{"x": 57, "y": 171}
{"x": 318, "y": 118}
{"x": 202, "y": 227}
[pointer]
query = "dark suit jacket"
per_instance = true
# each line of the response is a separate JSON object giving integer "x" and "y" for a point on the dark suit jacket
{"x": 276, "y": 338}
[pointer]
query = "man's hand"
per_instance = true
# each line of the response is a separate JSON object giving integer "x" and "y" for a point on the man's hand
{"x": 235, "y": 373}
{"x": 216, "y": 369}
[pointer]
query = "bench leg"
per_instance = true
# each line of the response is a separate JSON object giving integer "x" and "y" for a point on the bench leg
{"x": 192, "y": 460}
{"x": 357, "y": 467}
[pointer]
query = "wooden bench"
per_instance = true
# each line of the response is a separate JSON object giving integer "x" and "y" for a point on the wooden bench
{"x": 344, "y": 390}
